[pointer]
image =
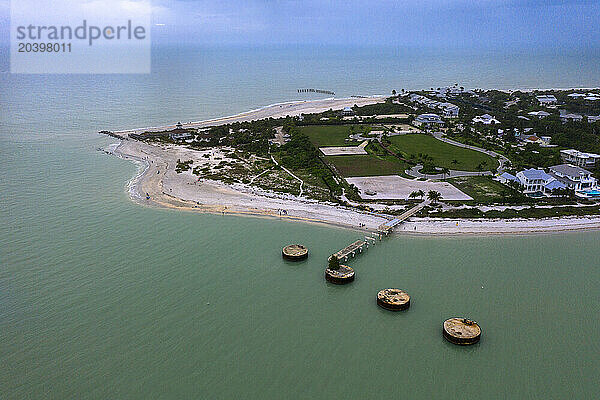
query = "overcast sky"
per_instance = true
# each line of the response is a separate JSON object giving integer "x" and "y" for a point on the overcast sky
{"x": 454, "y": 23}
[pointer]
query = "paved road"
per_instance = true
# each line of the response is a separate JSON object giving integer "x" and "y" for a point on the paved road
{"x": 414, "y": 171}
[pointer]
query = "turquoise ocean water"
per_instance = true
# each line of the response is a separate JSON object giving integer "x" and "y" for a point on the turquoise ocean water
{"x": 102, "y": 298}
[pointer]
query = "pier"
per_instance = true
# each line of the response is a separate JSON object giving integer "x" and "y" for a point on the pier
{"x": 316, "y": 91}
{"x": 388, "y": 227}
{"x": 383, "y": 229}
{"x": 350, "y": 250}
{"x": 356, "y": 247}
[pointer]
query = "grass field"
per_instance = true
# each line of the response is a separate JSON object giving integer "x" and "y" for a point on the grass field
{"x": 367, "y": 165}
{"x": 481, "y": 188}
{"x": 332, "y": 135}
{"x": 377, "y": 162}
{"x": 442, "y": 153}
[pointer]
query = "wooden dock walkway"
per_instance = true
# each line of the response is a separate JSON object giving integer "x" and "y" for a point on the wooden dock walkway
{"x": 388, "y": 226}
{"x": 350, "y": 250}
{"x": 383, "y": 229}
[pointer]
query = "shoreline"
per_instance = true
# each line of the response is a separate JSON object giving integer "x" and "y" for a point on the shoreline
{"x": 156, "y": 177}
{"x": 275, "y": 110}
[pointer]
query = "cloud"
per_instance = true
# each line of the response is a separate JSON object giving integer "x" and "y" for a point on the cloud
{"x": 389, "y": 22}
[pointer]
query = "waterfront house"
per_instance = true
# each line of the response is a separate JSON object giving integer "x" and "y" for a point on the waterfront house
{"x": 485, "y": 119}
{"x": 534, "y": 180}
{"x": 428, "y": 120}
{"x": 574, "y": 177}
{"x": 546, "y": 100}
{"x": 539, "y": 114}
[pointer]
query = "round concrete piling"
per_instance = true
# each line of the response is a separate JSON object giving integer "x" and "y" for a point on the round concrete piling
{"x": 462, "y": 331}
{"x": 344, "y": 274}
{"x": 393, "y": 299}
{"x": 294, "y": 252}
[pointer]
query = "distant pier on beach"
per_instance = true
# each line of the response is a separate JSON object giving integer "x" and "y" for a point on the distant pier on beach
{"x": 316, "y": 91}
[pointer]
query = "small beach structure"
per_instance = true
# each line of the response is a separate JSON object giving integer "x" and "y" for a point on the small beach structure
{"x": 347, "y": 112}
{"x": 340, "y": 276}
{"x": 294, "y": 252}
{"x": 393, "y": 299}
{"x": 461, "y": 331}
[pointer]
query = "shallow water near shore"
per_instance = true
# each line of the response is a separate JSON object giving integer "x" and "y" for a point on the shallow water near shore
{"x": 103, "y": 298}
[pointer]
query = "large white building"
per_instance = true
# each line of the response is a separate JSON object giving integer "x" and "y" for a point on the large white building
{"x": 539, "y": 114}
{"x": 579, "y": 158}
{"x": 536, "y": 181}
{"x": 485, "y": 119}
{"x": 571, "y": 118}
{"x": 574, "y": 177}
{"x": 428, "y": 120}
{"x": 449, "y": 110}
{"x": 546, "y": 100}
{"x": 593, "y": 118}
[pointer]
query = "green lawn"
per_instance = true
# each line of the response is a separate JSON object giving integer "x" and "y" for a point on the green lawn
{"x": 442, "y": 153}
{"x": 481, "y": 188}
{"x": 367, "y": 165}
{"x": 377, "y": 162}
{"x": 332, "y": 135}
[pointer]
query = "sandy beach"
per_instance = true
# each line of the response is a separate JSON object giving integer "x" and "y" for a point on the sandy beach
{"x": 165, "y": 187}
{"x": 158, "y": 184}
{"x": 279, "y": 110}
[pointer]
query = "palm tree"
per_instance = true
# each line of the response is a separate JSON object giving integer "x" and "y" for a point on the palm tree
{"x": 444, "y": 172}
{"x": 413, "y": 195}
{"x": 454, "y": 162}
{"x": 420, "y": 193}
{"x": 393, "y": 92}
{"x": 434, "y": 196}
